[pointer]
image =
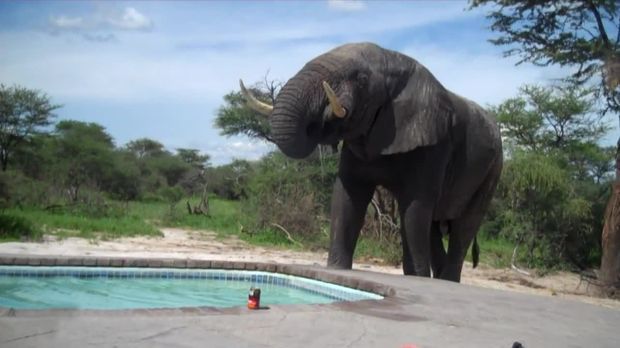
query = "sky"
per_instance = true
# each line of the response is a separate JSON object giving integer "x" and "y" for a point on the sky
{"x": 160, "y": 69}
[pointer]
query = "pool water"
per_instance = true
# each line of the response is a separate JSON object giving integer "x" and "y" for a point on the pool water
{"x": 118, "y": 288}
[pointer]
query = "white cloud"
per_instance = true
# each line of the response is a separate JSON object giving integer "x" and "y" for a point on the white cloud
{"x": 224, "y": 151}
{"x": 139, "y": 69}
{"x": 130, "y": 19}
{"x": 104, "y": 19}
{"x": 346, "y": 5}
{"x": 64, "y": 22}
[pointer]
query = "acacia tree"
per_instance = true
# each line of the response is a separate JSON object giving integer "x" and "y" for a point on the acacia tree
{"x": 236, "y": 118}
{"x": 193, "y": 158}
{"x": 22, "y": 113}
{"x": 550, "y": 117}
{"x": 86, "y": 150}
{"x": 144, "y": 147}
{"x": 583, "y": 34}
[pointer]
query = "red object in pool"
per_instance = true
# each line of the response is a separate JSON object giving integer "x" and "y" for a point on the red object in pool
{"x": 254, "y": 298}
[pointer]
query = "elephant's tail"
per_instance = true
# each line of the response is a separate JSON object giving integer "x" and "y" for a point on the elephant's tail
{"x": 475, "y": 252}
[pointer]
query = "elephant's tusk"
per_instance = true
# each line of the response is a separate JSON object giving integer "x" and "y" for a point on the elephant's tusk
{"x": 337, "y": 108}
{"x": 253, "y": 103}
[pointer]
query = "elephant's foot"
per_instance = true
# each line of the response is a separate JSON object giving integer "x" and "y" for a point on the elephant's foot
{"x": 336, "y": 262}
{"x": 452, "y": 273}
{"x": 408, "y": 270}
{"x": 338, "y": 266}
{"x": 438, "y": 252}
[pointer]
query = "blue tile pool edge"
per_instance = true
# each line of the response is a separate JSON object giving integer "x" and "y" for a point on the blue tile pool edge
{"x": 346, "y": 278}
{"x": 333, "y": 291}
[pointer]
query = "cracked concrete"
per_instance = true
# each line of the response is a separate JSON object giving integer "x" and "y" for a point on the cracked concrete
{"x": 29, "y": 336}
{"x": 162, "y": 333}
{"x": 361, "y": 336}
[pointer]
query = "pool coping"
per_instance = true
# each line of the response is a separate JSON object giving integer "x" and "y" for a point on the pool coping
{"x": 305, "y": 271}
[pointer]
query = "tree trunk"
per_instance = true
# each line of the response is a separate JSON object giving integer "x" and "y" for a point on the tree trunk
{"x": 609, "y": 275}
{"x": 4, "y": 159}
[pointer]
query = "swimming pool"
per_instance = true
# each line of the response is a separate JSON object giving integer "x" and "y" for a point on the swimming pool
{"x": 40, "y": 287}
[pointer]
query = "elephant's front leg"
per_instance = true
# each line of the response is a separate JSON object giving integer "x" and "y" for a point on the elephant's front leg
{"x": 349, "y": 203}
{"x": 416, "y": 218}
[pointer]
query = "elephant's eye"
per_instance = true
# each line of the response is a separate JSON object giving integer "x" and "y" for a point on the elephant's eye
{"x": 362, "y": 80}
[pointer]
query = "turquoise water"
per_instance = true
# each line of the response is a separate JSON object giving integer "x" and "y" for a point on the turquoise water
{"x": 98, "y": 293}
{"x": 32, "y": 290}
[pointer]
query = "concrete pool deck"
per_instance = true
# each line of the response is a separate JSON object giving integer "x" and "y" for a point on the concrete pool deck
{"x": 417, "y": 312}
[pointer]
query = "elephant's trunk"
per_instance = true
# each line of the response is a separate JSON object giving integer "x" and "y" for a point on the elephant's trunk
{"x": 292, "y": 129}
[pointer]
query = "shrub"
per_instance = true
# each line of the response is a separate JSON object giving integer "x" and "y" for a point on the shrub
{"x": 172, "y": 194}
{"x": 542, "y": 213}
{"x": 21, "y": 190}
{"x": 230, "y": 181}
{"x": 5, "y": 194}
{"x": 290, "y": 193}
{"x": 16, "y": 227}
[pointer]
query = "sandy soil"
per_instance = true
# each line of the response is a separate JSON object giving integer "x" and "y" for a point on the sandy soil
{"x": 180, "y": 243}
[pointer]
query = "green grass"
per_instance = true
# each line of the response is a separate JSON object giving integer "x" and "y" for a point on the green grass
{"x": 14, "y": 228}
{"x": 224, "y": 216}
{"x": 67, "y": 224}
{"x": 274, "y": 238}
{"x": 494, "y": 252}
{"x": 390, "y": 251}
{"x": 135, "y": 218}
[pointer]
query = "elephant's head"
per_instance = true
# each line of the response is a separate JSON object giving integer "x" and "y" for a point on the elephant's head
{"x": 355, "y": 91}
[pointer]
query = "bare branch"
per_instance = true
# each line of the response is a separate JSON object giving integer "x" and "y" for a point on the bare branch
{"x": 599, "y": 23}
{"x": 513, "y": 265}
{"x": 288, "y": 235}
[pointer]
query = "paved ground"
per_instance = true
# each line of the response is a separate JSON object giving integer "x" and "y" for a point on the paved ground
{"x": 418, "y": 313}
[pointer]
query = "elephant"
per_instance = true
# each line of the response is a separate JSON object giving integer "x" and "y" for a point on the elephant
{"x": 438, "y": 153}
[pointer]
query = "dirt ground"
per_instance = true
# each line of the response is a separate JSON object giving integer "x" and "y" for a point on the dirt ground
{"x": 180, "y": 243}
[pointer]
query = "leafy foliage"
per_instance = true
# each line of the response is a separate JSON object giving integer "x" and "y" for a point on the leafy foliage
{"x": 551, "y": 117}
{"x": 291, "y": 193}
{"x": 230, "y": 180}
{"x": 194, "y": 158}
{"x": 124, "y": 179}
{"x": 552, "y": 189}
{"x": 145, "y": 148}
{"x": 87, "y": 150}
{"x": 17, "y": 227}
{"x": 22, "y": 113}
{"x": 543, "y": 212}
{"x": 577, "y": 33}
{"x": 235, "y": 118}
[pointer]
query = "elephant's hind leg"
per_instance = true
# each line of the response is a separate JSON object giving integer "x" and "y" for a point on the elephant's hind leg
{"x": 438, "y": 253}
{"x": 408, "y": 268}
{"x": 463, "y": 229}
{"x": 462, "y": 232}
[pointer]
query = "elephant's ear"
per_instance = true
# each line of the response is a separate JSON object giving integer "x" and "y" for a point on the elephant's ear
{"x": 419, "y": 114}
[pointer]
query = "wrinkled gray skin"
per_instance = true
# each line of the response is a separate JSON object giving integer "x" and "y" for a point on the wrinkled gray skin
{"x": 438, "y": 153}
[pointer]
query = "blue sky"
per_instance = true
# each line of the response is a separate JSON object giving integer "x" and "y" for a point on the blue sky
{"x": 160, "y": 69}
